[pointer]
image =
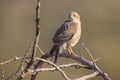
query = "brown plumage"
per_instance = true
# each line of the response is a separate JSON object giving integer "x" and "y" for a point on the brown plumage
{"x": 67, "y": 35}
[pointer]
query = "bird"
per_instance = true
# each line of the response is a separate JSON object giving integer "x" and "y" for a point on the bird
{"x": 67, "y": 35}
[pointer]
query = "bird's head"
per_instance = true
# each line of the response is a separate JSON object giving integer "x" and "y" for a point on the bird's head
{"x": 74, "y": 16}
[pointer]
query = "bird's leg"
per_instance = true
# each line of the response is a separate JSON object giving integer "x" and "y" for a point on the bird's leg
{"x": 72, "y": 52}
{"x": 68, "y": 49}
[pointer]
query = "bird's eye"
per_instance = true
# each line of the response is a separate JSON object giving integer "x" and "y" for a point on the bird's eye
{"x": 74, "y": 15}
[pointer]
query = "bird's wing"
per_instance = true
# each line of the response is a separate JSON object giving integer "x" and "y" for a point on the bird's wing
{"x": 65, "y": 32}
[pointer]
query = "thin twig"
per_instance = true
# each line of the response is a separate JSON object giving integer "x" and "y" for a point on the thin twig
{"x": 2, "y": 71}
{"x": 42, "y": 53}
{"x": 97, "y": 59}
{"x": 21, "y": 63}
{"x": 89, "y": 53}
{"x": 14, "y": 59}
{"x": 85, "y": 77}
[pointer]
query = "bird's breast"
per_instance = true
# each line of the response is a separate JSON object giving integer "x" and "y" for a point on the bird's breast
{"x": 74, "y": 40}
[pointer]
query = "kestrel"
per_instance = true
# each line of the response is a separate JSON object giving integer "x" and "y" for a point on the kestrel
{"x": 67, "y": 35}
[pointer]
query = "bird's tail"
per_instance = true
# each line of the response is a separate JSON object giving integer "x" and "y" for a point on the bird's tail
{"x": 56, "y": 56}
{"x": 55, "y": 48}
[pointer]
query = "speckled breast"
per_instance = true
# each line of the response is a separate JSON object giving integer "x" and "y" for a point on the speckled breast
{"x": 72, "y": 42}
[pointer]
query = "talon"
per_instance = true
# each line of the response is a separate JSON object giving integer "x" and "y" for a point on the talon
{"x": 70, "y": 51}
{"x": 74, "y": 54}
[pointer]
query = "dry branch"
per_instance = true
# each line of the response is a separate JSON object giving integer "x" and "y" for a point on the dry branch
{"x": 37, "y": 35}
{"x": 89, "y": 64}
{"x": 86, "y": 64}
{"x": 76, "y": 65}
{"x": 88, "y": 76}
{"x": 35, "y": 44}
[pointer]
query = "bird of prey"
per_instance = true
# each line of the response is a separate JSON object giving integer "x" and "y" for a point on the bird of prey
{"x": 67, "y": 35}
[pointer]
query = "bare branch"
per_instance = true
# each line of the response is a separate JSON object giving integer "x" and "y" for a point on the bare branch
{"x": 14, "y": 59}
{"x": 58, "y": 68}
{"x": 40, "y": 50}
{"x": 82, "y": 60}
{"x": 87, "y": 63}
{"x": 88, "y": 76}
{"x": 37, "y": 35}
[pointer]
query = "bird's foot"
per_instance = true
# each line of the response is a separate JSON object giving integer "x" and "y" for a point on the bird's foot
{"x": 72, "y": 53}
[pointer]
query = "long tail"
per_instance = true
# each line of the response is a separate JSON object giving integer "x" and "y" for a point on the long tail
{"x": 56, "y": 56}
{"x": 55, "y": 48}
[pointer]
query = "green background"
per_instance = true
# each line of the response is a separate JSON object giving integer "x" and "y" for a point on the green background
{"x": 100, "y": 32}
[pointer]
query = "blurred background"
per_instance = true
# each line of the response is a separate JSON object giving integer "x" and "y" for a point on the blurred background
{"x": 100, "y": 32}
